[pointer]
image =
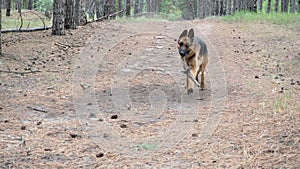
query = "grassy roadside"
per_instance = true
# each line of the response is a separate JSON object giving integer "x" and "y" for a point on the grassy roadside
{"x": 31, "y": 19}
{"x": 286, "y": 19}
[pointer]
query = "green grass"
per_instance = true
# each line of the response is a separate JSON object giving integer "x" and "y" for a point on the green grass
{"x": 31, "y": 19}
{"x": 275, "y": 18}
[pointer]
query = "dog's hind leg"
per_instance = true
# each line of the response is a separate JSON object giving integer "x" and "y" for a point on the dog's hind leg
{"x": 202, "y": 69}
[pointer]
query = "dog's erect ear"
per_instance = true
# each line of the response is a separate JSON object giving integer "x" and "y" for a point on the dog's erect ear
{"x": 183, "y": 34}
{"x": 191, "y": 33}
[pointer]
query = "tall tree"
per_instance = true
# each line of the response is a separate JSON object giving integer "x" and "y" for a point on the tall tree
{"x": 141, "y": 6}
{"x": 229, "y": 7}
{"x": 58, "y": 25}
{"x": 292, "y": 9}
{"x": 111, "y": 7}
{"x": 269, "y": 6}
{"x": 285, "y": 4}
{"x": 136, "y": 7}
{"x": 207, "y": 7}
{"x": 19, "y": 5}
{"x": 8, "y": 7}
{"x": 159, "y": 5}
{"x": 201, "y": 10}
{"x": 299, "y": 6}
{"x": 98, "y": 9}
{"x": 260, "y": 5}
{"x": 148, "y": 7}
{"x": 128, "y": 8}
{"x": 0, "y": 27}
{"x": 276, "y": 5}
{"x": 29, "y": 4}
{"x": 70, "y": 14}
{"x": 77, "y": 9}
{"x": 120, "y": 8}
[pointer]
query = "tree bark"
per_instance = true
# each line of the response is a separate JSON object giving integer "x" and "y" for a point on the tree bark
{"x": 229, "y": 7}
{"x": 299, "y": 6}
{"x": 207, "y": 7}
{"x": 136, "y": 7}
{"x": 292, "y": 10}
{"x": 201, "y": 10}
{"x": 260, "y": 5}
{"x": 70, "y": 15}
{"x": 8, "y": 7}
{"x": 148, "y": 7}
{"x": 128, "y": 7}
{"x": 58, "y": 25}
{"x": 153, "y": 9}
{"x": 269, "y": 6}
{"x": 159, "y": 6}
{"x": 19, "y": 5}
{"x": 98, "y": 9}
{"x": 29, "y": 4}
{"x": 0, "y": 27}
{"x": 286, "y": 6}
{"x": 120, "y": 7}
{"x": 141, "y": 6}
{"x": 276, "y": 5}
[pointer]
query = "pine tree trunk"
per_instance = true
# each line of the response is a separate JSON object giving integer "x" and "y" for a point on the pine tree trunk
{"x": 8, "y": 7}
{"x": 148, "y": 7}
{"x": 128, "y": 7}
{"x": 276, "y": 5}
{"x": 299, "y": 6}
{"x": 292, "y": 9}
{"x": 207, "y": 7}
{"x": 136, "y": 7}
{"x": 159, "y": 6}
{"x": 222, "y": 8}
{"x": 112, "y": 8}
{"x": 201, "y": 12}
{"x": 0, "y": 27}
{"x": 58, "y": 25}
{"x": 19, "y": 5}
{"x": 153, "y": 9}
{"x": 216, "y": 9}
{"x": 260, "y": 5}
{"x": 141, "y": 6}
{"x": 269, "y": 6}
{"x": 98, "y": 9}
{"x": 29, "y": 5}
{"x": 77, "y": 12}
{"x": 120, "y": 7}
{"x": 228, "y": 7}
{"x": 70, "y": 15}
{"x": 286, "y": 5}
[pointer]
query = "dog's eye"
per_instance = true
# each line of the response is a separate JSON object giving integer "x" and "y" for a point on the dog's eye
{"x": 180, "y": 43}
{"x": 186, "y": 46}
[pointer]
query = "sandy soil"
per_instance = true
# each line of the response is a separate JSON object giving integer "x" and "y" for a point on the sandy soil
{"x": 111, "y": 95}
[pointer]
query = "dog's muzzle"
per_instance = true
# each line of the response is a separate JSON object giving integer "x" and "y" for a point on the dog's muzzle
{"x": 182, "y": 53}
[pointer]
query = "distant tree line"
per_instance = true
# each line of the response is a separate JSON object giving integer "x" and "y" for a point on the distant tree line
{"x": 68, "y": 14}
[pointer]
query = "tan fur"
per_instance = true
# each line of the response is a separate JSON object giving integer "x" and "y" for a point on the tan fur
{"x": 195, "y": 61}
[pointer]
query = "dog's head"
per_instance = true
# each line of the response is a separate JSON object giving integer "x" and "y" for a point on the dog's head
{"x": 185, "y": 40}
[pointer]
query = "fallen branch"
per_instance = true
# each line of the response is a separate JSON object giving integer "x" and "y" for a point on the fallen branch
{"x": 36, "y": 109}
{"x": 8, "y": 71}
{"x": 106, "y": 17}
{"x": 26, "y": 30}
{"x": 187, "y": 71}
{"x": 110, "y": 15}
{"x": 62, "y": 45}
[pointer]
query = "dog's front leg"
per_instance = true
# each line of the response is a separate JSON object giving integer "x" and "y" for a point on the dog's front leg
{"x": 187, "y": 71}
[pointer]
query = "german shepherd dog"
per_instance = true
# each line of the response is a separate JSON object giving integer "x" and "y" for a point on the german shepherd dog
{"x": 194, "y": 56}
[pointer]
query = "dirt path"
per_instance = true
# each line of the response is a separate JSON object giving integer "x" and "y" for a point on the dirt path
{"x": 113, "y": 97}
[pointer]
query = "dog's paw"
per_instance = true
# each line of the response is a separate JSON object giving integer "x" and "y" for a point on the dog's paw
{"x": 189, "y": 91}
